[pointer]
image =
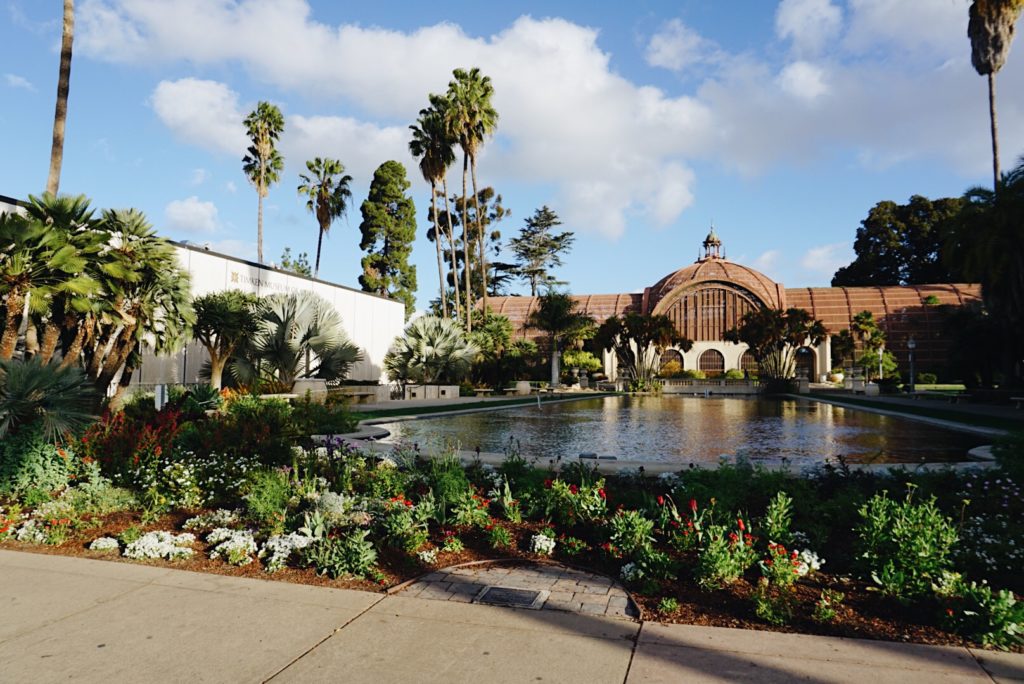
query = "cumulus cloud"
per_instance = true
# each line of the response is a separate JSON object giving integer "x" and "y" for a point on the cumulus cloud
{"x": 803, "y": 80}
{"x": 20, "y": 82}
{"x": 766, "y": 261}
{"x": 199, "y": 176}
{"x": 203, "y": 113}
{"x": 676, "y": 46}
{"x": 809, "y": 24}
{"x": 191, "y": 215}
{"x": 825, "y": 259}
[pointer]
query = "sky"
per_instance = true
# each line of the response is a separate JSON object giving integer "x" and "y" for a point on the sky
{"x": 639, "y": 123}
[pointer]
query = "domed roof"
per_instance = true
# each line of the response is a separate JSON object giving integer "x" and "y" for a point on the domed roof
{"x": 718, "y": 269}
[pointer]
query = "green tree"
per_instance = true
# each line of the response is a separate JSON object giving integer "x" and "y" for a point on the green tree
{"x": 903, "y": 244}
{"x": 327, "y": 196}
{"x": 298, "y": 264}
{"x": 638, "y": 341}
{"x": 988, "y": 244}
{"x": 558, "y": 315}
{"x": 44, "y": 257}
{"x": 56, "y": 399}
{"x": 262, "y": 163}
{"x": 432, "y": 350}
{"x": 538, "y": 250}
{"x": 224, "y": 321}
{"x": 432, "y": 145}
{"x": 300, "y": 335}
{"x": 492, "y": 212}
{"x": 843, "y": 348}
{"x": 473, "y": 117}
{"x": 60, "y": 114}
{"x": 990, "y": 28}
{"x": 388, "y": 230}
{"x": 773, "y": 337}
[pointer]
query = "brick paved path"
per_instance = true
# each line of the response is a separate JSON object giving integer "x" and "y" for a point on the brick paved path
{"x": 569, "y": 590}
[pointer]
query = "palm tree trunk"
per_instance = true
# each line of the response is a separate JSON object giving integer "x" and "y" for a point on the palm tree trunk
{"x": 51, "y": 334}
{"x": 9, "y": 340}
{"x": 995, "y": 129}
{"x": 60, "y": 114}
{"x": 437, "y": 244}
{"x": 480, "y": 236}
{"x": 259, "y": 222}
{"x": 319, "y": 242}
{"x": 75, "y": 348}
{"x": 217, "y": 364}
{"x": 465, "y": 245}
{"x": 451, "y": 245}
{"x": 122, "y": 385}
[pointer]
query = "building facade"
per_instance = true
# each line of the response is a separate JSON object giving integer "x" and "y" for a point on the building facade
{"x": 711, "y": 295}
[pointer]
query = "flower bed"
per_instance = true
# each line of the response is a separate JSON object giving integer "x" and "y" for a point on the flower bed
{"x": 903, "y": 557}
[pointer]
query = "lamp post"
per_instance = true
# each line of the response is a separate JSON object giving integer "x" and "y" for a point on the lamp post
{"x": 911, "y": 346}
{"x": 881, "y": 353}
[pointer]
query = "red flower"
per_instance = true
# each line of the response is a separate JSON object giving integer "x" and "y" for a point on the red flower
{"x": 547, "y": 483}
{"x": 661, "y": 500}
{"x": 693, "y": 505}
{"x": 574, "y": 489}
{"x": 739, "y": 523}
{"x": 600, "y": 493}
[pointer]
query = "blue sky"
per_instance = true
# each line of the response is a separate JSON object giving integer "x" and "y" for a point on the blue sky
{"x": 640, "y": 123}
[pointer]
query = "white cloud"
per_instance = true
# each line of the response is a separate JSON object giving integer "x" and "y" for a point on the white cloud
{"x": 923, "y": 28}
{"x": 676, "y": 46}
{"x": 15, "y": 81}
{"x": 766, "y": 261}
{"x": 199, "y": 176}
{"x": 203, "y": 113}
{"x": 191, "y": 215}
{"x": 825, "y": 259}
{"x": 803, "y": 80}
{"x": 809, "y": 24}
{"x": 240, "y": 249}
{"x": 231, "y": 187}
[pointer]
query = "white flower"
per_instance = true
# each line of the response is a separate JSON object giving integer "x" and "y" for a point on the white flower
{"x": 670, "y": 480}
{"x": 808, "y": 562}
{"x": 219, "y": 518}
{"x": 32, "y": 532}
{"x": 631, "y": 572}
{"x": 104, "y": 544}
{"x": 160, "y": 544}
{"x": 234, "y": 546}
{"x": 279, "y": 548}
{"x": 542, "y": 544}
{"x": 428, "y": 557}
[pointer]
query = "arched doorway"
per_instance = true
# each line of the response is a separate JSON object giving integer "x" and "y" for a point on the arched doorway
{"x": 805, "y": 363}
{"x": 748, "y": 363}
{"x": 711, "y": 363}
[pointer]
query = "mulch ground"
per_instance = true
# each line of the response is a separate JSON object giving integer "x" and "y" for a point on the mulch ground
{"x": 863, "y": 614}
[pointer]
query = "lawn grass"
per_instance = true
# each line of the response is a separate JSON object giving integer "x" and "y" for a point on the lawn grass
{"x": 467, "y": 406}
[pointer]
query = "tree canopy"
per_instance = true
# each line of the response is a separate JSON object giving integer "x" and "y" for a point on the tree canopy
{"x": 903, "y": 244}
{"x": 773, "y": 337}
{"x": 538, "y": 249}
{"x": 388, "y": 230}
{"x": 638, "y": 341}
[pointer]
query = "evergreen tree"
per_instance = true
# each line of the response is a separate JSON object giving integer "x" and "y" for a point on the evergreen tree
{"x": 296, "y": 264}
{"x": 538, "y": 250}
{"x": 388, "y": 230}
{"x": 491, "y": 213}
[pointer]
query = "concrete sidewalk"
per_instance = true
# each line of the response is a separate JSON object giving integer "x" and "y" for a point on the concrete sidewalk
{"x": 95, "y": 621}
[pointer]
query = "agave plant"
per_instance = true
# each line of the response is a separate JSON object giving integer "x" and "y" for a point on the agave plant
{"x": 57, "y": 398}
{"x": 432, "y": 350}
{"x": 300, "y": 336}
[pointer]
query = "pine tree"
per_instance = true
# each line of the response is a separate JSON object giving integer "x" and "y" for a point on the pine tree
{"x": 389, "y": 229}
{"x": 538, "y": 250}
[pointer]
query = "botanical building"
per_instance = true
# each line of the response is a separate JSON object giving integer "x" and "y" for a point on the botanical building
{"x": 710, "y": 296}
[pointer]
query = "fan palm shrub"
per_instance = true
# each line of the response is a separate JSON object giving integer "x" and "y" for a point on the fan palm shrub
{"x": 433, "y": 350}
{"x": 33, "y": 393}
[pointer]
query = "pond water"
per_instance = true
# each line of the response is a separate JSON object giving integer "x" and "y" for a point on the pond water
{"x": 679, "y": 429}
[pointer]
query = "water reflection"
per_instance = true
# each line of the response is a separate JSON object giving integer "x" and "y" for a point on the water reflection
{"x": 693, "y": 429}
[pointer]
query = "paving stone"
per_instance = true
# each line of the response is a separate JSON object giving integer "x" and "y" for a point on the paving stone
{"x": 593, "y": 589}
{"x": 561, "y": 596}
{"x": 461, "y": 598}
{"x": 592, "y": 608}
{"x": 564, "y": 585}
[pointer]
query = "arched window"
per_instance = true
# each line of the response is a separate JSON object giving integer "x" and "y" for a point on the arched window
{"x": 671, "y": 355}
{"x": 805, "y": 363}
{"x": 748, "y": 362}
{"x": 712, "y": 363}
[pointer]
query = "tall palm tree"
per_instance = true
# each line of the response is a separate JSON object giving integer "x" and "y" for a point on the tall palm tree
{"x": 432, "y": 146}
{"x": 990, "y": 27}
{"x": 263, "y": 163}
{"x": 326, "y": 188}
{"x": 60, "y": 114}
{"x": 473, "y": 117}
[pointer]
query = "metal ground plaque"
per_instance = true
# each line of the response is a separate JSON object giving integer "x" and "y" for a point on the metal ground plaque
{"x": 511, "y": 597}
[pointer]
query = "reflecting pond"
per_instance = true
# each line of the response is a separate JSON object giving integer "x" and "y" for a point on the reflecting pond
{"x": 692, "y": 429}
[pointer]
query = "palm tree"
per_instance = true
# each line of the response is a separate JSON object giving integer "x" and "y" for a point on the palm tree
{"x": 638, "y": 341}
{"x": 224, "y": 322}
{"x": 432, "y": 350}
{"x": 431, "y": 144}
{"x": 326, "y": 188}
{"x": 472, "y": 117}
{"x": 32, "y": 392}
{"x": 990, "y": 27}
{"x": 60, "y": 114}
{"x": 773, "y": 337}
{"x": 263, "y": 164}
{"x": 558, "y": 316}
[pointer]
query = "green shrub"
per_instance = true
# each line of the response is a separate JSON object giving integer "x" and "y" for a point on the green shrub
{"x": 734, "y": 374}
{"x": 267, "y": 496}
{"x": 631, "y": 532}
{"x": 499, "y": 537}
{"x": 471, "y": 510}
{"x": 129, "y": 535}
{"x": 248, "y": 426}
{"x": 726, "y": 555}
{"x": 571, "y": 503}
{"x": 351, "y": 554}
{"x": 773, "y": 604}
{"x": 778, "y": 519}
{"x": 312, "y": 418}
{"x": 975, "y": 611}
{"x": 403, "y": 525}
{"x": 668, "y": 605}
{"x": 927, "y": 378}
{"x": 129, "y": 449}
{"x": 825, "y": 606}
{"x": 447, "y": 479}
{"x": 28, "y": 460}
{"x": 904, "y": 547}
